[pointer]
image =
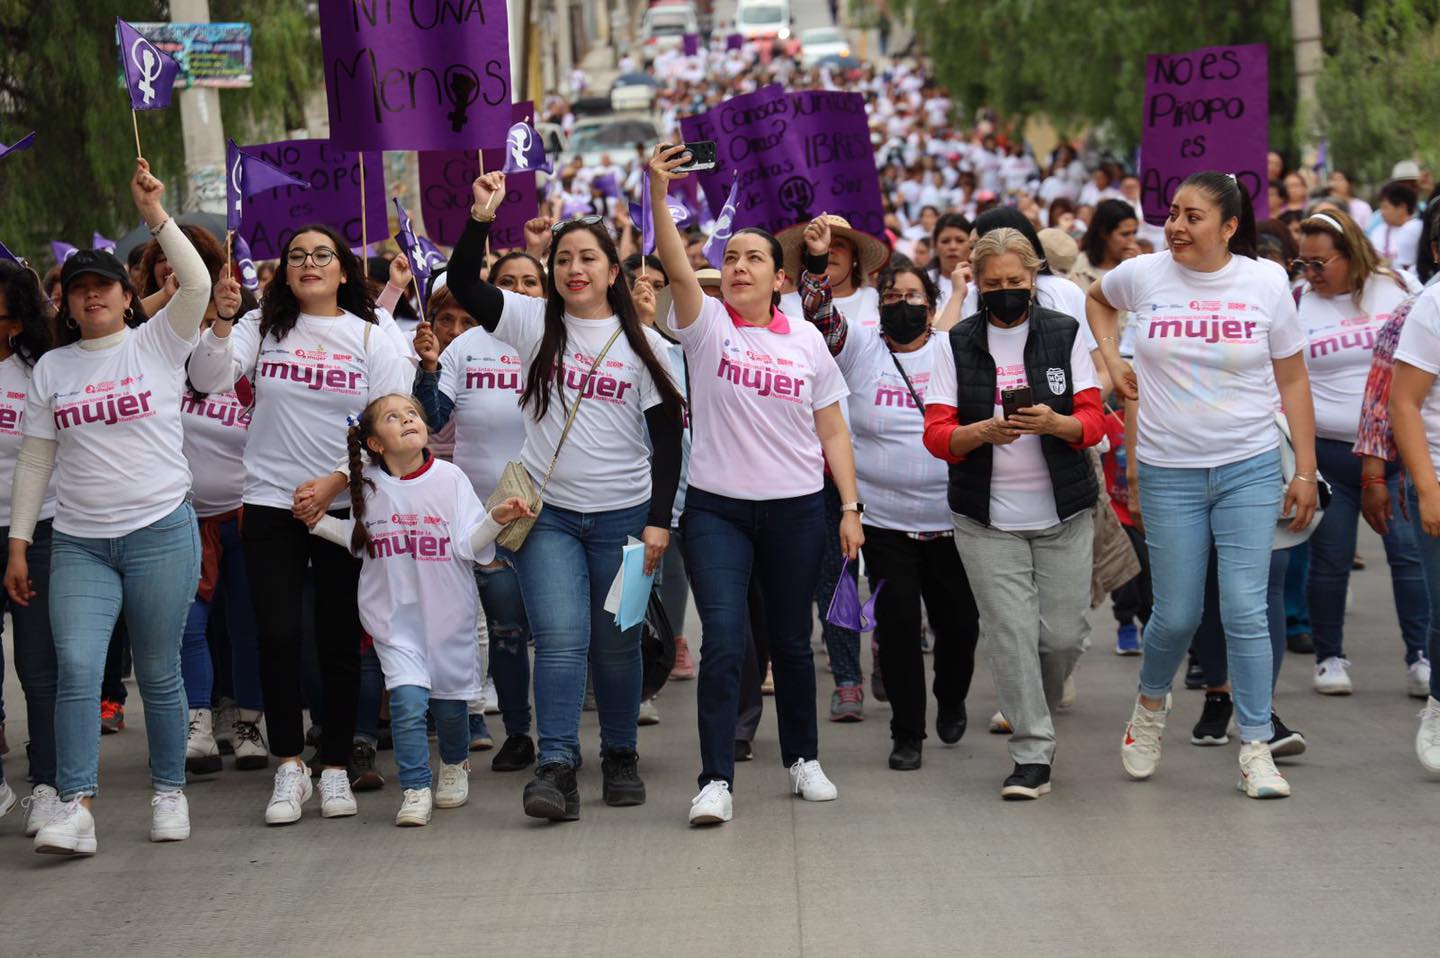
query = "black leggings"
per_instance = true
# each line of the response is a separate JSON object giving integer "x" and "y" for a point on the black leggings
{"x": 277, "y": 548}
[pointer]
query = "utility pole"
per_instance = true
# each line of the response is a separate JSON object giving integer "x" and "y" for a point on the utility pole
{"x": 203, "y": 130}
{"x": 1305, "y": 29}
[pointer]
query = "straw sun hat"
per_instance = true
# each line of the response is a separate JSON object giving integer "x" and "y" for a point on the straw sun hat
{"x": 872, "y": 253}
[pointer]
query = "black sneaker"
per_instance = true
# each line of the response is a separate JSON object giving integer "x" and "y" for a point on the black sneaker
{"x": 363, "y": 777}
{"x": 905, "y": 755}
{"x": 1214, "y": 725}
{"x": 516, "y": 755}
{"x": 744, "y": 751}
{"x": 387, "y": 741}
{"x": 1287, "y": 743}
{"x": 552, "y": 794}
{"x": 950, "y": 723}
{"x": 1301, "y": 643}
{"x": 621, "y": 773}
{"x": 1194, "y": 675}
{"x": 1027, "y": 781}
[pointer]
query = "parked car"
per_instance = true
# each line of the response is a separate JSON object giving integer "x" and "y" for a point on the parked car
{"x": 822, "y": 42}
{"x": 633, "y": 91}
{"x": 664, "y": 28}
{"x": 763, "y": 19}
{"x": 617, "y": 134}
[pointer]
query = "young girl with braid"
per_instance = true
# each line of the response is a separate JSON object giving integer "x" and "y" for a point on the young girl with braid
{"x": 419, "y": 528}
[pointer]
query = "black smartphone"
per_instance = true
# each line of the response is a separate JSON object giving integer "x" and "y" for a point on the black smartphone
{"x": 1018, "y": 398}
{"x": 702, "y": 157}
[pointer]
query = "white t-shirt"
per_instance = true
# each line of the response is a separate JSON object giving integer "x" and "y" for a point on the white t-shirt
{"x": 1342, "y": 343}
{"x": 115, "y": 416}
{"x": 604, "y": 465}
{"x": 484, "y": 377}
{"x": 215, "y": 431}
{"x": 1399, "y": 245}
{"x": 902, "y": 485}
{"x": 323, "y": 371}
{"x": 753, "y": 392}
{"x": 1022, "y": 495}
{"x": 14, "y": 391}
{"x": 861, "y": 309}
{"x": 1204, "y": 346}
{"x": 1420, "y": 347}
{"x": 1051, "y": 292}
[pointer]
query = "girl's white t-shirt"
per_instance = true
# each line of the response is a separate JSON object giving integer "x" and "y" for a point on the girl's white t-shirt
{"x": 605, "y": 462}
{"x": 1341, "y": 345}
{"x": 215, "y": 431}
{"x": 114, "y": 414}
{"x": 484, "y": 378}
{"x": 1204, "y": 348}
{"x": 325, "y": 370}
{"x": 753, "y": 393}
{"x": 14, "y": 392}
{"x": 1420, "y": 347}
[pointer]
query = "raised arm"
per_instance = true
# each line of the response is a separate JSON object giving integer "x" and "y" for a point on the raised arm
{"x": 186, "y": 307}
{"x": 685, "y": 290}
{"x": 816, "y": 298}
{"x": 479, "y": 298}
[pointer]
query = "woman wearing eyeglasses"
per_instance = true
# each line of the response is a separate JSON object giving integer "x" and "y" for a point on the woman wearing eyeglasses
{"x": 909, "y": 537}
{"x": 316, "y": 355}
{"x": 1349, "y": 296}
{"x": 582, "y": 344}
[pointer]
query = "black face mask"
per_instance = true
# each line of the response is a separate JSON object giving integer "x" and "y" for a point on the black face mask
{"x": 1008, "y": 306}
{"x": 904, "y": 322}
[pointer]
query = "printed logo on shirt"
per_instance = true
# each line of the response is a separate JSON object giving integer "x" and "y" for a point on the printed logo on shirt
{"x": 1055, "y": 376}
{"x": 12, "y": 417}
{"x": 763, "y": 381}
{"x": 1209, "y": 329}
{"x": 601, "y": 386}
{"x": 306, "y": 367}
{"x": 107, "y": 410}
{"x": 1009, "y": 377}
{"x": 1341, "y": 340}
{"x": 399, "y": 543}
{"x": 490, "y": 377}
{"x": 226, "y": 410}
{"x": 891, "y": 391}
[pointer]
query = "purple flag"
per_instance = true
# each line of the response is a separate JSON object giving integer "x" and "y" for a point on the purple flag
{"x": 62, "y": 251}
{"x": 640, "y": 215}
{"x": 275, "y": 212}
{"x": 416, "y": 76}
{"x": 99, "y": 242}
{"x": 410, "y": 246}
{"x": 607, "y": 186}
{"x": 445, "y": 178}
{"x": 734, "y": 42}
{"x": 845, "y": 609}
{"x": 149, "y": 74}
{"x": 249, "y": 175}
{"x": 724, "y": 226}
{"x": 433, "y": 255}
{"x": 647, "y": 218}
{"x": 21, "y": 144}
{"x": 691, "y": 44}
{"x": 1207, "y": 109}
{"x": 249, "y": 275}
{"x": 6, "y": 254}
{"x": 525, "y": 151}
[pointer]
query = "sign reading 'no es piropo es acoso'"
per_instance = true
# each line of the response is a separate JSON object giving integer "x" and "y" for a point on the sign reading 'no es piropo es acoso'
{"x": 416, "y": 74}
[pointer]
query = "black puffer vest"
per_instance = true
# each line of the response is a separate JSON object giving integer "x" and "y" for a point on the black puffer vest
{"x": 1047, "y": 369}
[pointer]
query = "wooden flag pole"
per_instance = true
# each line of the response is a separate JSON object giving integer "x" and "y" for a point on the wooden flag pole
{"x": 229, "y": 236}
{"x": 364, "y": 236}
{"x": 419, "y": 293}
{"x": 135, "y": 121}
{"x": 480, "y": 158}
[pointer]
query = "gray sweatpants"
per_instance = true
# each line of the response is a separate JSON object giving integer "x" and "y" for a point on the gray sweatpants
{"x": 1032, "y": 590}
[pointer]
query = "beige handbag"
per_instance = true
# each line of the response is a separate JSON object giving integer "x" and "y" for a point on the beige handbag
{"x": 516, "y": 482}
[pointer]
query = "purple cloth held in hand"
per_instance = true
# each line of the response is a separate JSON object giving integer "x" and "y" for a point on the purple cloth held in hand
{"x": 845, "y": 610}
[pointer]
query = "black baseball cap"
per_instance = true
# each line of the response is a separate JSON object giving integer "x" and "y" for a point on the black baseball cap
{"x": 96, "y": 261}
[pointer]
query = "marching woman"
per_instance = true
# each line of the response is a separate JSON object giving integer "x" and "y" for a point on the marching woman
{"x": 766, "y": 397}
{"x": 909, "y": 540}
{"x": 952, "y": 252}
{"x": 1209, "y": 464}
{"x": 314, "y": 354}
{"x": 594, "y": 390}
{"x": 111, "y": 396}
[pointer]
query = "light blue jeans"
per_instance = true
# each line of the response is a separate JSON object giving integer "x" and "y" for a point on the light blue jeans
{"x": 151, "y": 573}
{"x": 408, "y": 704}
{"x": 1235, "y": 507}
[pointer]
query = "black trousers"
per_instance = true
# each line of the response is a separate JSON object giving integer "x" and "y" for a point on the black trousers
{"x": 1133, "y": 600}
{"x": 912, "y": 570}
{"x": 277, "y": 549}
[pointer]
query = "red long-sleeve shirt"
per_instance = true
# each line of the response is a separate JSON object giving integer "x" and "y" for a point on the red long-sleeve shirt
{"x": 941, "y": 421}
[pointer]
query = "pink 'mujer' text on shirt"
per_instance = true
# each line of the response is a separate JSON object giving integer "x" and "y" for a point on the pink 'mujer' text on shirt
{"x": 600, "y": 385}
{"x": 763, "y": 381}
{"x": 227, "y": 411}
{"x": 1339, "y": 340}
{"x": 10, "y": 419}
{"x": 110, "y": 410}
{"x": 1213, "y": 329}
{"x": 320, "y": 376}
{"x": 425, "y": 546}
{"x": 507, "y": 380}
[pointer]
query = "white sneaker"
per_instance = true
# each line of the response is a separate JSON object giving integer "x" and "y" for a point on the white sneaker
{"x": 336, "y": 799}
{"x": 649, "y": 715}
{"x": 452, "y": 788}
{"x": 170, "y": 818}
{"x": 490, "y": 697}
{"x": 1332, "y": 677}
{"x": 44, "y": 804}
{"x": 999, "y": 725}
{"x": 70, "y": 832}
{"x": 1140, "y": 749}
{"x": 1427, "y": 739}
{"x": 416, "y": 808}
{"x": 713, "y": 806}
{"x": 202, "y": 754}
{"x": 1417, "y": 678}
{"x": 807, "y": 779}
{"x": 292, "y": 790}
{"x": 1067, "y": 695}
{"x": 1259, "y": 778}
{"x": 251, "y": 752}
{"x": 226, "y": 715}
{"x": 7, "y": 797}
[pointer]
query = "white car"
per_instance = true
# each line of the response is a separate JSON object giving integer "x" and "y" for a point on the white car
{"x": 763, "y": 19}
{"x": 616, "y": 135}
{"x": 664, "y": 28}
{"x": 822, "y": 42}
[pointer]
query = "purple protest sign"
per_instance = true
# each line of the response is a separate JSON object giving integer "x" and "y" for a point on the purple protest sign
{"x": 416, "y": 76}
{"x": 445, "y": 178}
{"x": 690, "y": 44}
{"x": 272, "y": 216}
{"x": 1207, "y": 109}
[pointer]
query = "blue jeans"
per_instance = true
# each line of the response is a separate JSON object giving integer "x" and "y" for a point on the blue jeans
{"x": 1332, "y": 554}
{"x": 1297, "y": 580}
{"x": 778, "y": 543}
{"x": 566, "y": 567}
{"x": 1209, "y": 645}
{"x": 372, "y": 694}
{"x": 152, "y": 573}
{"x": 35, "y": 657}
{"x": 408, "y": 705}
{"x": 504, "y": 607}
{"x": 1235, "y": 507}
{"x": 1430, "y": 563}
{"x": 842, "y": 645}
{"x": 195, "y": 662}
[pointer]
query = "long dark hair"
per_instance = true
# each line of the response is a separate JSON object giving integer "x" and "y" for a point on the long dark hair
{"x": 280, "y": 310}
{"x": 546, "y": 376}
{"x": 24, "y": 301}
{"x": 1002, "y": 217}
{"x": 210, "y": 250}
{"x": 68, "y": 331}
{"x": 1226, "y": 192}
{"x": 1106, "y": 220}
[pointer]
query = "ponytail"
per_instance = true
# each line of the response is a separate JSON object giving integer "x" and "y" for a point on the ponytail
{"x": 355, "y": 438}
{"x": 1234, "y": 202}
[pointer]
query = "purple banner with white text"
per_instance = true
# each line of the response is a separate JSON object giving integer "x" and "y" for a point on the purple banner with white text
{"x": 273, "y": 216}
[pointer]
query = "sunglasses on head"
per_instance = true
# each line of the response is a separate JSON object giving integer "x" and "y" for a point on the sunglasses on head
{"x": 590, "y": 220}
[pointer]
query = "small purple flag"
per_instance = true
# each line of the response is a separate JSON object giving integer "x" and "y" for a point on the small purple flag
{"x": 724, "y": 226}
{"x": 433, "y": 256}
{"x": 247, "y": 176}
{"x": 409, "y": 245}
{"x": 691, "y": 44}
{"x": 6, "y": 254}
{"x": 845, "y": 608}
{"x": 99, "y": 242}
{"x": 607, "y": 186}
{"x": 647, "y": 218}
{"x": 62, "y": 251}
{"x": 525, "y": 151}
{"x": 149, "y": 74}
{"x": 734, "y": 42}
{"x": 21, "y": 144}
{"x": 249, "y": 275}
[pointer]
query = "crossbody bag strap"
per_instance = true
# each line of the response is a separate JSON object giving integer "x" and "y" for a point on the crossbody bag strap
{"x": 908, "y": 385}
{"x": 570, "y": 420}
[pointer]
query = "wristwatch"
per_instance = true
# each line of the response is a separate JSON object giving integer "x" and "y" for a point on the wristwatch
{"x": 856, "y": 507}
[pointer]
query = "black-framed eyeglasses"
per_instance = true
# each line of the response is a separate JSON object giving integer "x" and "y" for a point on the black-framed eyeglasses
{"x": 590, "y": 220}
{"x": 1312, "y": 265}
{"x": 322, "y": 257}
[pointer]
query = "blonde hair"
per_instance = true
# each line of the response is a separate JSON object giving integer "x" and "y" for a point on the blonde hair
{"x": 999, "y": 242}
{"x": 1352, "y": 243}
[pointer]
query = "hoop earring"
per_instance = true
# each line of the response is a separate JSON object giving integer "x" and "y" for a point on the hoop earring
{"x": 11, "y": 343}
{"x": 129, "y": 313}
{"x": 70, "y": 323}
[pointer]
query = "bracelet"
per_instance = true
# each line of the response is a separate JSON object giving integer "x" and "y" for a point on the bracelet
{"x": 1304, "y": 478}
{"x": 1367, "y": 481}
{"x": 1108, "y": 339}
{"x": 156, "y": 230}
{"x": 483, "y": 216}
